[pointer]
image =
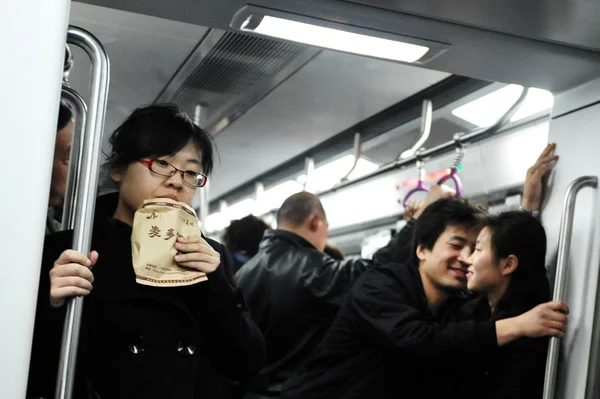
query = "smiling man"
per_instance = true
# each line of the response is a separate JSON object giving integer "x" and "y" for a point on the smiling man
{"x": 392, "y": 338}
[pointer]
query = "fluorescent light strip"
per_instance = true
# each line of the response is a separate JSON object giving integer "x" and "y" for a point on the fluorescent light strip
{"x": 486, "y": 110}
{"x": 335, "y": 39}
{"x": 326, "y": 176}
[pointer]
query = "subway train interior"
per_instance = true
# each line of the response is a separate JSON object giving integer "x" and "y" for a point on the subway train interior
{"x": 358, "y": 101}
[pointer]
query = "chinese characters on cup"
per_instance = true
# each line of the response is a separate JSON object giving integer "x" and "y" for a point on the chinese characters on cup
{"x": 155, "y": 226}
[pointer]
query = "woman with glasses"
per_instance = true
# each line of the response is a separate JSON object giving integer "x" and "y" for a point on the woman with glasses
{"x": 139, "y": 341}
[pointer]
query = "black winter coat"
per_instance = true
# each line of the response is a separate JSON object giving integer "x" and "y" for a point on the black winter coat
{"x": 294, "y": 292}
{"x": 516, "y": 370}
{"x": 398, "y": 250}
{"x": 146, "y": 342}
{"x": 384, "y": 343}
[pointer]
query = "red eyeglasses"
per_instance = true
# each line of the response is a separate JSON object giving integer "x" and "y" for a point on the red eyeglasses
{"x": 163, "y": 168}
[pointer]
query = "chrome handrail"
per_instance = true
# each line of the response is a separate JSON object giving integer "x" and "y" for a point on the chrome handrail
{"x": 560, "y": 284}
{"x": 84, "y": 204}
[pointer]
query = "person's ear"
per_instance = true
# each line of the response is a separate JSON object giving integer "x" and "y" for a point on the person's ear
{"x": 509, "y": 265}
{"x": 421, "y": 252}
{"x": 314, "y": 223}
{"x": 116, "y": 173}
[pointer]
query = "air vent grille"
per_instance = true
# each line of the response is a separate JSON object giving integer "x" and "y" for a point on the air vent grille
{"x": 235, "y": 73}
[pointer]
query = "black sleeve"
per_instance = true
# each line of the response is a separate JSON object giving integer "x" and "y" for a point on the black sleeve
{"x": 237, "y": 347}
{"x": 332, "y": 279}
{"x": 383, "y": 311}
{"x": 523, "y": 369}
{"x": 399, "y": 247}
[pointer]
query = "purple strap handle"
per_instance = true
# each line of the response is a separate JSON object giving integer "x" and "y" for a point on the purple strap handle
{"x": 454, "y": 176}
{"x": 420, "y": 187}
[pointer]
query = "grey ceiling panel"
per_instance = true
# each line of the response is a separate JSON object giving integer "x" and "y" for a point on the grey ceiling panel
{"x": 571, "y": 22}
{"x": 472, "y": 27}
{"x": 328, "y": 95}
{"x": 144, "y": 53}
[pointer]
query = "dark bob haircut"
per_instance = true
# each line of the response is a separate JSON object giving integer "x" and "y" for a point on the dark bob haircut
{"x": 245, "y": 235}
{"x": 155, "y": 131}
{"x": 522, "y": 235}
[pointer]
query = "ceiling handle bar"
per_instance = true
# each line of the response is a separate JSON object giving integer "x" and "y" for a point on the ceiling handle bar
{"x": 453, "y": 173}
{"x": 426, "y": 121}
{"x": 309, "y": 169}
{"x": 84, "y": 204}
{"x": 357, "y": 153}
{"x": 421, "y": 179}
{"x": 471, "y": 137}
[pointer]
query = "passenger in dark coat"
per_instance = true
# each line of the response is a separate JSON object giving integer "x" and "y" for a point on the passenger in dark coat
{"x": 140, "y": 341}
{"x": 507, "y": 267}
{"x": 392, "y": 339}
{"x": 242, "y": 238}
{"x": 294, "y": 289}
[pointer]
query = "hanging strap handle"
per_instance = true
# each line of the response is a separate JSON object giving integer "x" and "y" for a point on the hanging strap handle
{"x": 453, "y": 175}
{"x": 453, "y": 172}
{"x": 84, "y": 204}
{"x": 421, "y": 182}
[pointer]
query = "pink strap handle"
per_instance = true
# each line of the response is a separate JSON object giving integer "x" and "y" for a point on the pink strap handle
{"x": 420, "y": 187}
{"x": 457, "y": 182}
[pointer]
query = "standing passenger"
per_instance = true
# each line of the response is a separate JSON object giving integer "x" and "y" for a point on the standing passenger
{"x": 508, "y": 268}
{"x": 390, "y": 339}
{"x": 139, "y": 341}
{"x": 242, "y": 238}
{"x": 294, "y": 289}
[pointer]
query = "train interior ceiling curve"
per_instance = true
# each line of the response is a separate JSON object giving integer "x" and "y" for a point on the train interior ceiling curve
{"x": 270, "y": 104}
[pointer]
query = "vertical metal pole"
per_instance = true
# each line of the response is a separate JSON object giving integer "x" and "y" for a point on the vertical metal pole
{"x": 562, "y": 266}
{"x": 86, "y": 196}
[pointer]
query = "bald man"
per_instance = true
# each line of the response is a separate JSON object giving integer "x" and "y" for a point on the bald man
{"x": 293, "y": 289}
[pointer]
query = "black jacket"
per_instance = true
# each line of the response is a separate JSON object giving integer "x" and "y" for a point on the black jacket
{"x": 384, "y": 343}
{"x": 294, "y": 292}
{"x": 146, "y": 342}
{"x": 398, "y": 250}
{"x": 516, "y": 370}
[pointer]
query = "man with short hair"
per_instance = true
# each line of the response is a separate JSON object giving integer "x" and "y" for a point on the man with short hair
{"x": 294, "y": 289}
{"x": 60, "y": 167}
{"x": 391, "y": 337}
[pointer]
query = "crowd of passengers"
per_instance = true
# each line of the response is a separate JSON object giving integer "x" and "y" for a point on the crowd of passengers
{"x": 456, "y": 305}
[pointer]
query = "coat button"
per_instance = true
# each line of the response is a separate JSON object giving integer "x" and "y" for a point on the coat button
{"x": 138, "y": 346}
{"x": 186, "y": 349}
